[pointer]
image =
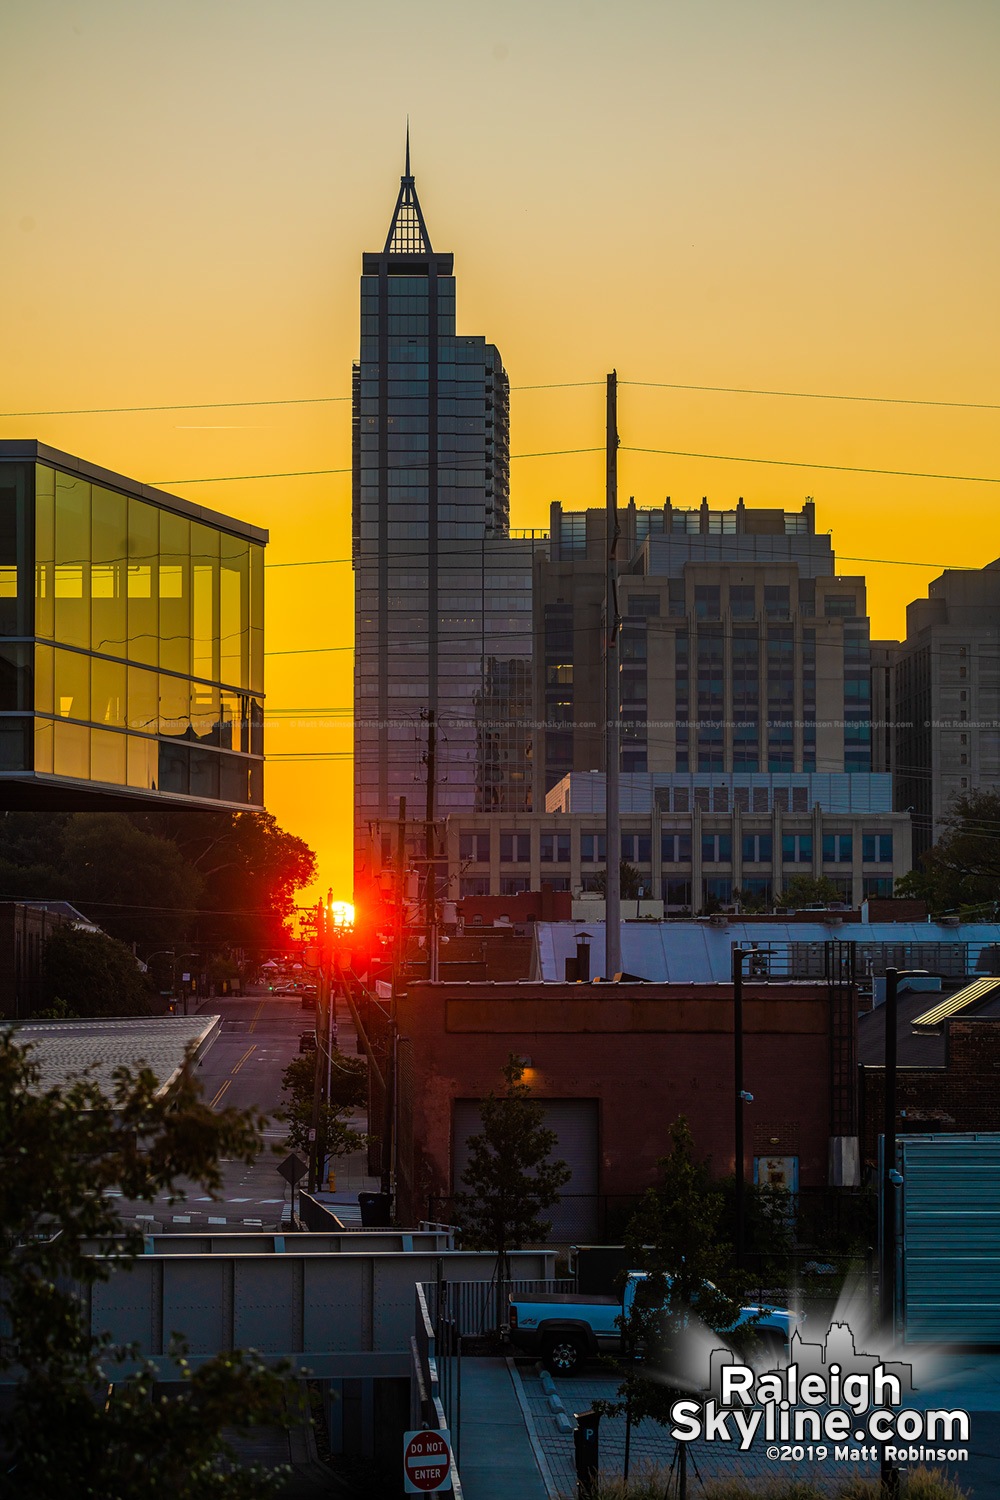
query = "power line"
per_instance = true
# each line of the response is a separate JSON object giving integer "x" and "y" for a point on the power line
{"x": 793, "y": 463}
{"x": 552, "y": 385}
{"x": 739, "y": 390}
{"x": 893, "y": 562}
{"x": 308, "y": 473}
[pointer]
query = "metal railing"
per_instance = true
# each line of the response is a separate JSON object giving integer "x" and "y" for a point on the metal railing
{"x": 470, "y": 1306}
{"x": 437, "y": 1378}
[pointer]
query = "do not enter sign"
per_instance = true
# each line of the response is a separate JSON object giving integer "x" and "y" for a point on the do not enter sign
{"x": 426, "y": 1462}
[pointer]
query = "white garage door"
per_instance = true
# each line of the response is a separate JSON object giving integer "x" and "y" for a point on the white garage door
{"x": 575, "y": 1217}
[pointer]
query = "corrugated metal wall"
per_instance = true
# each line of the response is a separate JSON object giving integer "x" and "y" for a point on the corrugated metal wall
{"x": 949, "y": 1238}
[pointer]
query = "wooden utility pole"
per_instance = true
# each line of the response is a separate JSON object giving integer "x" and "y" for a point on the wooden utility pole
{"x": 319, "y": 1071}
{"x": 612, "y": 703}
{"x": 430, "y": 878}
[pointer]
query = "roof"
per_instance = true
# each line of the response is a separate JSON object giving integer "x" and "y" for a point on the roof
{"x": 698, "y": 953}
{"x": 914, "y": 1049}
{"x": 65, "y": 1049}
{"x": 30, "y": 450}
{"x": 62, "y": 909}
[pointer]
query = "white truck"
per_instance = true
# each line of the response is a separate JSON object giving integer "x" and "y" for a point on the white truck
{"x": 565, "y": 1328}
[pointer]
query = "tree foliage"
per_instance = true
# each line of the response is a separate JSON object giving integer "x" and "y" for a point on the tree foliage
{"x": 61, "y": 1150}
{"x": 676, "y": 1237}
{"x": 962, "y": 870}
{"x": 630, "y": 887}
{"x": 348, "y": 1090}
{"x": 90, "y": 974}
{"x": 808, "y": 890}
{"x": 163, "y": 879}
{"x": 509, "y": 1179}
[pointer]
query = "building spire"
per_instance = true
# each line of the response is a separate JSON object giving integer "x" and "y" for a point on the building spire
{"x": 407, "y": 232}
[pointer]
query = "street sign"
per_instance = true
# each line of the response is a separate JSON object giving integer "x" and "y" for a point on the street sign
{"x": 426, "y": 1462}
{"x": 292, "y": 1169}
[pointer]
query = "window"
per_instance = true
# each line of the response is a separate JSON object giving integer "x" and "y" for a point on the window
{"x": 513, "y": 885}
{"x": 675, "y": 596}
{"x": 554, "y": 849}
{"x": 757, "y": 847}
{"x": 515, "y": 849}
{"x": 796, "y": 848}
{"x": 706, "y": 601}
{"x": 876, "y": 885}
{"x": 637, "y": 848}
{"x": 717, "y": 889}
{"x": 741, "y": 601}
{"x": 876, "y": 848}
{"x": 676, "y": 892}
{"x": 842, "y": 605}
{"x": 837, "y": 848}
{"x": 556, "y": 882}
{"x": 675, "y": 848}
{"x": 716, "y": 848}
{"x": 474, "y": 885}
{"x": 643, "y": 604}
{"x": 756, "y": 888}
{"x": 474, "y": 846}
{"x": 592, "y": 848}
{"x": 777, "y": 601}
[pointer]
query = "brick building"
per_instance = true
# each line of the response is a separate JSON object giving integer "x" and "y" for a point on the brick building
{"x": 946, "y": 1076}
{"x": 615, "y": 1066}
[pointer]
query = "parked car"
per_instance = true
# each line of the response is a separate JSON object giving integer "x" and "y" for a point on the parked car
{"x": 307, "y": 1041}
{"x": 565, "y": 1328}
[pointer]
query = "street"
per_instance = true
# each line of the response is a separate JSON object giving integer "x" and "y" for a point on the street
{"x": 258, "y": 1038}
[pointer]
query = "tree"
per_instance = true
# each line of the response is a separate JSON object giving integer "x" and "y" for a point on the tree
{"x": 348, "y": 1090}
{"x": 630, "y": 887}
{"x": 804, "y": 890}
{"x": 962, "y": 870}
{"x": 251, "y": 869}
{"x": 676, "y": 1238}
{"x": 509, "y": 1177}
{"x": 140, "y": 888}
{"x": 62, "y": 1149}
{"x": 91, "y": 974}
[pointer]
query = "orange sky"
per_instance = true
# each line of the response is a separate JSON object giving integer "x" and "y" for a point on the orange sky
{"x": 786, "y": 195}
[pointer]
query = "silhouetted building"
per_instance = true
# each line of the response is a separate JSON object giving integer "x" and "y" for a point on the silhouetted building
{"x": 131, "y": 641}
{"x": 946, "y": 680}
{"x": 443, "y": 593}
{"x": 741, "y": 648}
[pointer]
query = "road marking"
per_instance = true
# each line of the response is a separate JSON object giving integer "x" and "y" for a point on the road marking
{"x": 253, "y": 1023}
{"x": 222, "y": 1090}
{"x": 218, "y": 1221}
{"x": 251, "y": 1048}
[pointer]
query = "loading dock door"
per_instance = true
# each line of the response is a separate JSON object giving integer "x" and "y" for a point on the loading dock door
{"x": 575, "y": 1217}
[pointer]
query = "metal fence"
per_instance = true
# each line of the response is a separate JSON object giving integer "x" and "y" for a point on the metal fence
{"x": 850, "y": 958}
{"x": 469, "y": 1307}
{"x": 437, "y": 1380}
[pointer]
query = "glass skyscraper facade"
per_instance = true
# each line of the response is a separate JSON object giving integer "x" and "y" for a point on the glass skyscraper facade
{"x": 443, "y": 593}
{"x": 131, "y": 641}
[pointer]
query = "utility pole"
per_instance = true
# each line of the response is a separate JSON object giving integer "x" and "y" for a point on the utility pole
{"x": 319, "y": 1070}
{"x": 889, "y": 1486}
{"x": 430, "y": 887}
{"x": 738, "y": 956}
{"x": 612, "y": 703}
{"x": 399, "y": 969}
{"x": 887, "y": 1280}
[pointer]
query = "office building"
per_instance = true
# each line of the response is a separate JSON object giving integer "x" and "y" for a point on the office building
{"x": 741, "y": 648}
{"x": 946, "y": 689}
{"x": 443, "y": 592}
{"x": 697, "y": 841}
{"x": 131, "y": 642}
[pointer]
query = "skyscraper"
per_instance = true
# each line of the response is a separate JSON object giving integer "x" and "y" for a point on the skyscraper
{"x": 443, "y": 595}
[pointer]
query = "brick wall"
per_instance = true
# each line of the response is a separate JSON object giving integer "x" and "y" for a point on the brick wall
{"x": 647, "y": 1053}
{"x": 962, "y": 1095}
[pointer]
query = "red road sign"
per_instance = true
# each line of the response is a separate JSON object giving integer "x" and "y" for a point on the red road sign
{"x": 426, "y": 1462}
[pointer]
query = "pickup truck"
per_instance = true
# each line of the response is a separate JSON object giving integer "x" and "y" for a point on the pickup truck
{"x": 565, "y": 1328}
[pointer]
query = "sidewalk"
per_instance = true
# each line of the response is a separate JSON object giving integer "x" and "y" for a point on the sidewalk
{"x": 497, "y": 1460}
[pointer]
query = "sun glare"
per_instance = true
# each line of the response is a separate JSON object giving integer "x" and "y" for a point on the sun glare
{"x": 342, "y": 913}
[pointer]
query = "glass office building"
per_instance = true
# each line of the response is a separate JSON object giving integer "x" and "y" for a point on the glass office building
{"x": 443, "y": 593}
{"x": 131, "y": 642}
